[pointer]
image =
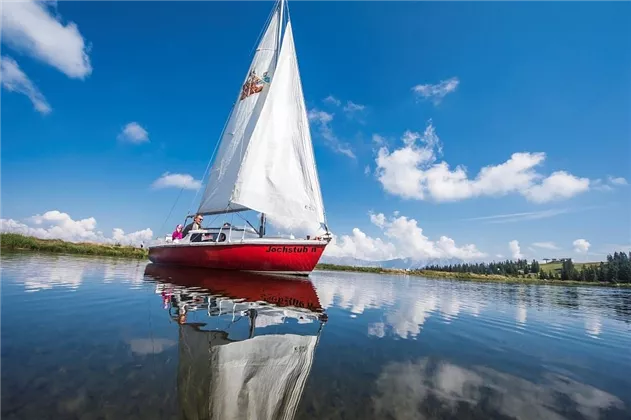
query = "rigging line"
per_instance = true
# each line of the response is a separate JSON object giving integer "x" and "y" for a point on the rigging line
{"x": 171, "y": 211}
{"x": 269, "y": 19}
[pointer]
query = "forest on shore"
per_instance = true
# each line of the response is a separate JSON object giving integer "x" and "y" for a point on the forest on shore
{"x": 616, "y": 269}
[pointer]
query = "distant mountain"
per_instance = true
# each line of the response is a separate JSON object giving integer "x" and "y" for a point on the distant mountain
{"x": 400, "y": 263}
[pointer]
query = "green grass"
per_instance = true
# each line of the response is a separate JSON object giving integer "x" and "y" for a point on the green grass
{"x": 16, "y": 242}
{"x": 555, "y": 267}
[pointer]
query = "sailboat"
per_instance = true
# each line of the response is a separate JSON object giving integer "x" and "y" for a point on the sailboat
{"x": 228, "y": 372}
{"x": 265, "y": 163}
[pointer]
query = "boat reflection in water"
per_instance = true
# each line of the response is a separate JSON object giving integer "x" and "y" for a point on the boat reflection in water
{"x": 252, "y": 356}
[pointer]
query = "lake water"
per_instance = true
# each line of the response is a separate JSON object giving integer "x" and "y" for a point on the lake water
{"x": 96, "y": 338}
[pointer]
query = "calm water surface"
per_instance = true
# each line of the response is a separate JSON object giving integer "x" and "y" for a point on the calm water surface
{"x": 110, "y": 339}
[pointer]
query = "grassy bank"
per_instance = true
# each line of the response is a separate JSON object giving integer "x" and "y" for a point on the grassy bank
{"x": 16, "y": 242}
{"x": 464, "y": 276}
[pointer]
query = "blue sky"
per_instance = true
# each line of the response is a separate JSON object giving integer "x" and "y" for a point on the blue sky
{"x": 524, "y": 78}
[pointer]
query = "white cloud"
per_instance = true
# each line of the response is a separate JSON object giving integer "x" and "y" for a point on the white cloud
{"x": 545, "y": 245}
{"x": 517, "y": 217}
{"x": 15, "y": 80}
{"x": 361, "y": 246}
{"x": 378, "y": 220}
{"x": 617, "y": 181}
{"x": 581, "y": 246}
{"x": 378, "y": 140}
{"x": 332, "y": 100}
{"x": 30, "y": 28}
{"x": 323, "y": 120}
{"x": 169, "y": 180}
{"x": 367, "y": 170}
{"x": 119, "y": 235}
{"x": 608, "y": 184}
{"x": 559, "y": 185}
{"x": 352, "y": 107}
{"x": 403, "y": 239}
{"x": 515, "y": 250}
{"x": 134, "y": 133}
{"x": 412, "y": 172}
{"x": 58, "y": 225}
{"x": 438, "y": 91}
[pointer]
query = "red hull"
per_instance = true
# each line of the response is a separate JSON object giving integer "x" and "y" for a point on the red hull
{"x": 241, "y": 285}
{"x": 281, "y": 257}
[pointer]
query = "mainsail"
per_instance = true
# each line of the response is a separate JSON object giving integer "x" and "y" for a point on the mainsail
{"x": 265, "y": 160}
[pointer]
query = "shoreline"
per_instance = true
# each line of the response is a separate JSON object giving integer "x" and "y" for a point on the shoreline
{"x": 482, "y": 278}
{"x": 13, "y": 242}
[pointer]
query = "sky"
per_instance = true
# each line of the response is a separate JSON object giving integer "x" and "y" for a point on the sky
{"x": 470, "y": 130}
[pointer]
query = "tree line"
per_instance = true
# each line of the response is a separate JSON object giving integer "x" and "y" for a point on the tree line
{"x": 617, "y": 269}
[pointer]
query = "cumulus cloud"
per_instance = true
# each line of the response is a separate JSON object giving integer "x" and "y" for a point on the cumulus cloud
{"x": 31, "y": 27}
{"x": 169, "y": 180}
{"x": 403, "y": 238}
{"x": 438, "y": 91}
{"x": 581, "y": 246}
{"x": 58, "y": 225}
{"x": 378, "y": 140}
{"x": 609, "y": 184}
{"x": 134, "y": 133}
{"x": 323, "y": 120}
{"x": 352, "y": 107}
{"x": 15, "y": 80}
{"x": 332, "y": 100}
{"x": 545, "y": 245}
{"x": 412, "y": 172}
{"x": 515, "y": 249}
{"x": 617, "y": 181}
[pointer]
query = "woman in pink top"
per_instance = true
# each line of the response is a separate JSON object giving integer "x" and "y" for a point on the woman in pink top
{"x": 177, "y": 234}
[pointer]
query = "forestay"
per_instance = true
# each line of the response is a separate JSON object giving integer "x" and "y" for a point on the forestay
{"x": 267, "y": 164}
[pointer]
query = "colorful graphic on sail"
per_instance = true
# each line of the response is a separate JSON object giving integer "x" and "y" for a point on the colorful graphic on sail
{"x": 254, "y": 84}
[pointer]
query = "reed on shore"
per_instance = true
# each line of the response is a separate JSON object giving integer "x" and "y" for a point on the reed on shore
{"x": 17, "y": 242}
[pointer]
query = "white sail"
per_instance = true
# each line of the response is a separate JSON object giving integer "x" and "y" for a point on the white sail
{"x": 266, "y": 161}
{"x": 278, "y": 175}
{"x": 242, "y": 120}
{"x": 262, "y": 377}
{"x": 258, "y": 378}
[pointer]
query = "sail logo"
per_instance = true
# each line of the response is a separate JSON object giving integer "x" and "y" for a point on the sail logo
{"x": 254, "y": 84}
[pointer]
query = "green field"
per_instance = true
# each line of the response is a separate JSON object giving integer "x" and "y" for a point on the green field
{"x": 556, "y": 266}
{"x": 16, "y": 242}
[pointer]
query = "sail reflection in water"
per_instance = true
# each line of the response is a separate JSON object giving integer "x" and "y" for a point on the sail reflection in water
{"x": 225, "y": 373}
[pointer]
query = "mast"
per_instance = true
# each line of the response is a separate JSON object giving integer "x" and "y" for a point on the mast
{"x": 262, "y": 227}
{"x": 278, "y": 44}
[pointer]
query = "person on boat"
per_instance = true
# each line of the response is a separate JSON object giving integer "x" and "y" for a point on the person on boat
{"x": 194, "y": 225}
{"x": 177, "y": 233}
